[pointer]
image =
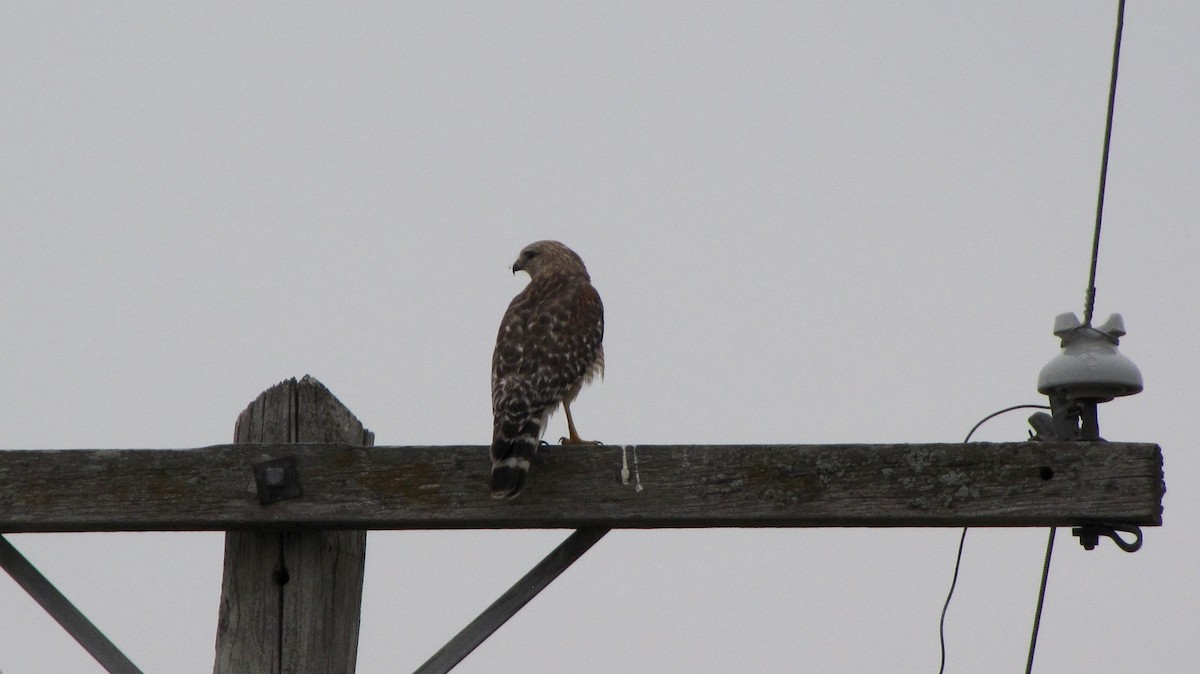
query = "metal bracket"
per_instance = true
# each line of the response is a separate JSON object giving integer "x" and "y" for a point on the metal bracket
{"x": 511, "y": 601}
{"x": 277, "y": 480}
{"x": 61, "y": 609}
{"x": 1089, "y": 536}
{"x": 1072, "y": 422}
{"x": 1069, "y": 420}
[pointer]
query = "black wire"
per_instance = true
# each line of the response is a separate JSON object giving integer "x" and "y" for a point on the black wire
{"x": 963, "y": 539}
{"x": 953, "y": 582}
{"x": 1089, "y": 307}
{"x": 1090, "y": 302}
{"x": 1037, "y": 616}
{"x": 998, "y": 413}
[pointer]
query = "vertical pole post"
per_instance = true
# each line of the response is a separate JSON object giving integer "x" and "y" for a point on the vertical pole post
{"x": 291, "y": 600}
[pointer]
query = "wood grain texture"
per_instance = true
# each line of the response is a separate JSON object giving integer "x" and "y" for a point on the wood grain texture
{"x": 349, "y": 487}
{"x": 290, "y": 600}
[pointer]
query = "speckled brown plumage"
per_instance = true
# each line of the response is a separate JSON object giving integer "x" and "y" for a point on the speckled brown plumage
{"x": 548, "y": 347}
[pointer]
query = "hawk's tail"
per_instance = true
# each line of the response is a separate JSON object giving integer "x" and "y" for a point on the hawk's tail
{"x": 511, "y": 457}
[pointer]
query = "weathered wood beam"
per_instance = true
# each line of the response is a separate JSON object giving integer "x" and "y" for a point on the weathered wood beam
{"x": 347, "y": 487}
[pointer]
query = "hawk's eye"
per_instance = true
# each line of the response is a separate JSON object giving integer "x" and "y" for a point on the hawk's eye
{"x": 530, "y": 254}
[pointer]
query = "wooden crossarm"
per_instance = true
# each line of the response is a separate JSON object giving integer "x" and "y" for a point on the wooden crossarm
{"x": 647, "y": 486}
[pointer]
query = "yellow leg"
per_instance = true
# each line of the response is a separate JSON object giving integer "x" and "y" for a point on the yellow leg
{"x": 574, "y": 438}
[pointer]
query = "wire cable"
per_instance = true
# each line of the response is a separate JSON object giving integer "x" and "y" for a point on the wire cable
{"x": 963, "y": 539}
{"x": 1088, "y": 309}
{"x": 1037, "y": 616}
{"x": 997, "y": 413}
{"x": 1090, "y": 302}
{"x": 953, "y": 581}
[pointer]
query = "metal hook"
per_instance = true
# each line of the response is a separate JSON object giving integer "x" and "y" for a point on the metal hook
{"x": 1089, "y": 536}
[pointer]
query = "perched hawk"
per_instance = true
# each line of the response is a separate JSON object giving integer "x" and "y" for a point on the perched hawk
{"x": 548, "y": 347}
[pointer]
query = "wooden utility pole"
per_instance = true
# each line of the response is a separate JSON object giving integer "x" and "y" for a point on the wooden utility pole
{"x": 290, "y": 600}
{"x": 303, "y": 482}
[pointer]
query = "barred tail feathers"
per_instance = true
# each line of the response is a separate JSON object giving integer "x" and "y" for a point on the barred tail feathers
{"x": 512, "y": 456}
{"x": 509, "y": 473}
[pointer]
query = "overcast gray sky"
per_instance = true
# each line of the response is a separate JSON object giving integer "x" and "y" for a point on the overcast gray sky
{"x": 810, "y": 222}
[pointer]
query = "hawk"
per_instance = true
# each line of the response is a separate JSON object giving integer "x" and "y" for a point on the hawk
{"x": 547, "y": 349}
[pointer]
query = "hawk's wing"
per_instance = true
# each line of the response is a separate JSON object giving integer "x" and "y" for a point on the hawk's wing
{"x": 549, "y": 342}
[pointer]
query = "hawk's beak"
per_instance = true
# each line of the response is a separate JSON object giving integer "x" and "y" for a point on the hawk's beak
{"x": 517, "y": 267}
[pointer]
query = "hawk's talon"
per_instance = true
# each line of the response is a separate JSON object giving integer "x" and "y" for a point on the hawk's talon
{"x": 579, "y": 441}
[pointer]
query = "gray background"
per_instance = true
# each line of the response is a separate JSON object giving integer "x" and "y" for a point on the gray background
{"x": 810, "y": 222}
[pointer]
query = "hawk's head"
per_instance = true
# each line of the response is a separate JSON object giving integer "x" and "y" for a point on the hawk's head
{"x": 546, "y": 257}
